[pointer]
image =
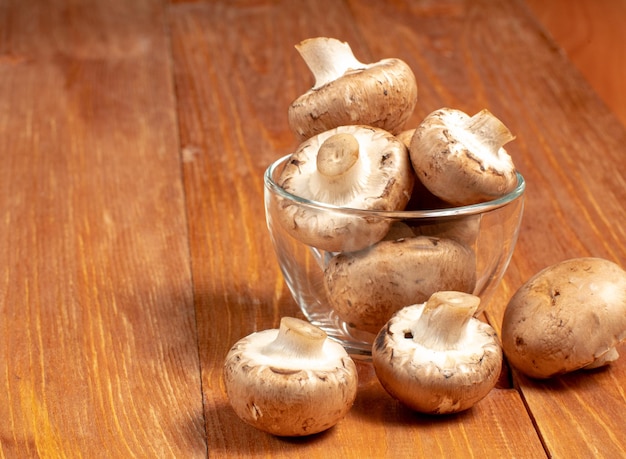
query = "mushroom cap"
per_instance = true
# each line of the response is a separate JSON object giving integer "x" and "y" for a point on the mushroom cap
{"x": 366, "y": 287}
{"x": 290, "y": 395}
{"x": 432, "y": 380}
{"x": 460, "y": 162}
{"x": 568, "y": 316}
{"x": 463, "y": 229}
{"x": 406, "y": 136}
{"x": 381, "y": 94}
{"x": 381, "y": 179}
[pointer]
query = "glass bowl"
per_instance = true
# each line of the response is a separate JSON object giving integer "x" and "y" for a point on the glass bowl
{"x": 335, "y": 289}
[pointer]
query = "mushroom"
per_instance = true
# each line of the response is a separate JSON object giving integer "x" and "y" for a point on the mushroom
{"x": 291, "y": 381}
{"x": 461, "y": 159}
{"x": 463, "y": 229}
{"x": 406, "y": 136}
{"x": 436, "y": 357}
{"x": 568, "y": 316}
{"x": 382, "y": 94}
{"x": 357, "y": 167}
{"x": 421, "y": 198}
{"x": 366, "y": 287}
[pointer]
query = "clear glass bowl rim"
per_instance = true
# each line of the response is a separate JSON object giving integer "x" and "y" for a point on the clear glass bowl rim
{"x": 472, "y": 209}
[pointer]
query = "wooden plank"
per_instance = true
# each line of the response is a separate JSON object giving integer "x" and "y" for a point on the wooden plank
{"x": 236, "y": 73}
{"x": 572, "y": 202}
{"x": 588, "y": 405}
{"x": 593, "y": 36}
{"x": 98, "y": 350}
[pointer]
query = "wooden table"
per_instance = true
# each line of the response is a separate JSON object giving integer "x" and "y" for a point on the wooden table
{"x": 133, "y": 247}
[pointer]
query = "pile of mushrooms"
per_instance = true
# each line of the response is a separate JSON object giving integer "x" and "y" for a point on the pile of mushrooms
{"x": 410, "y": 287}
{"x": 355, "y": 153}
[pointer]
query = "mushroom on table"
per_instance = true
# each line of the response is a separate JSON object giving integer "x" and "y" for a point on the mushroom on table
{"x": 436, "y": 357}
{"x": 291, "y": 381}
{"x": 568, "y": 316}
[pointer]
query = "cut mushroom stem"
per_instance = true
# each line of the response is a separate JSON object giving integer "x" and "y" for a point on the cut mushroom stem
{"x": 489, "y": 131}
{"x": 328, "y": 59}
{"x": 444, "y": 320}
{"x": 337, "y": 155}
{"x": 296, "y": 339}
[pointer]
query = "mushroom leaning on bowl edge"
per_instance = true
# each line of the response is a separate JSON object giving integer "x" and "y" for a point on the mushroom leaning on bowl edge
{"x": 346, "y": 91}
{"x": 461, "y": 159}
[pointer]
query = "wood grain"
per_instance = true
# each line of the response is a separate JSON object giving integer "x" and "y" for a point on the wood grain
{"x": 572, "y": 204}
{"x": 134, "y": 251}
{"x": 250, "y": 103}
{"x": 98, "y": 345}
{"x": 592, "y": 35}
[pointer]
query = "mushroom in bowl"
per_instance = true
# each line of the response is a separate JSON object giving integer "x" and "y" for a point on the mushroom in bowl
{"x": 366, "y": 287}
{"x": 358, "y": 167}
{"x": 346, "y": 91}
{"x": 461, "y": 159}
{"x": 489, "y": 230}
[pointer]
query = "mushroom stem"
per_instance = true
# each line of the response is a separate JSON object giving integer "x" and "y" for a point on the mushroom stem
{"x": 489, "y": 130}
{"x": 328, "y": 59}
{"x": 443, "y": 320}
{"x": 296, "y": 339}
{"x": 337, "y": 155}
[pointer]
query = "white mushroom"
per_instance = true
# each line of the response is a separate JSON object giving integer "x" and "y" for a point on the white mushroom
{"x": 357, "y": 167}
{"x": 436, "y": 357}
{"x": 461, "y": 159}
{"x": 291, "y": 381}
{"x": 382, "y": 94}
{"x": 366, "y": 287}
{"x": 568, "y": 316}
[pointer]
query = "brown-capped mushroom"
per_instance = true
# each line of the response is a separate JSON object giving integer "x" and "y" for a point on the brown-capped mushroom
{"x": 421, "y": 198}
{"x": 436, "y": 357}
{"x": 291, "y": 381}
{"x": 461, "y": 159}
{"x": 382, "y": 94}
{"x": 366, "y": 287}
{"x": 569, "y": 316}
{"x": 358, "y": 167}
{"x": 461, "y": 229}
